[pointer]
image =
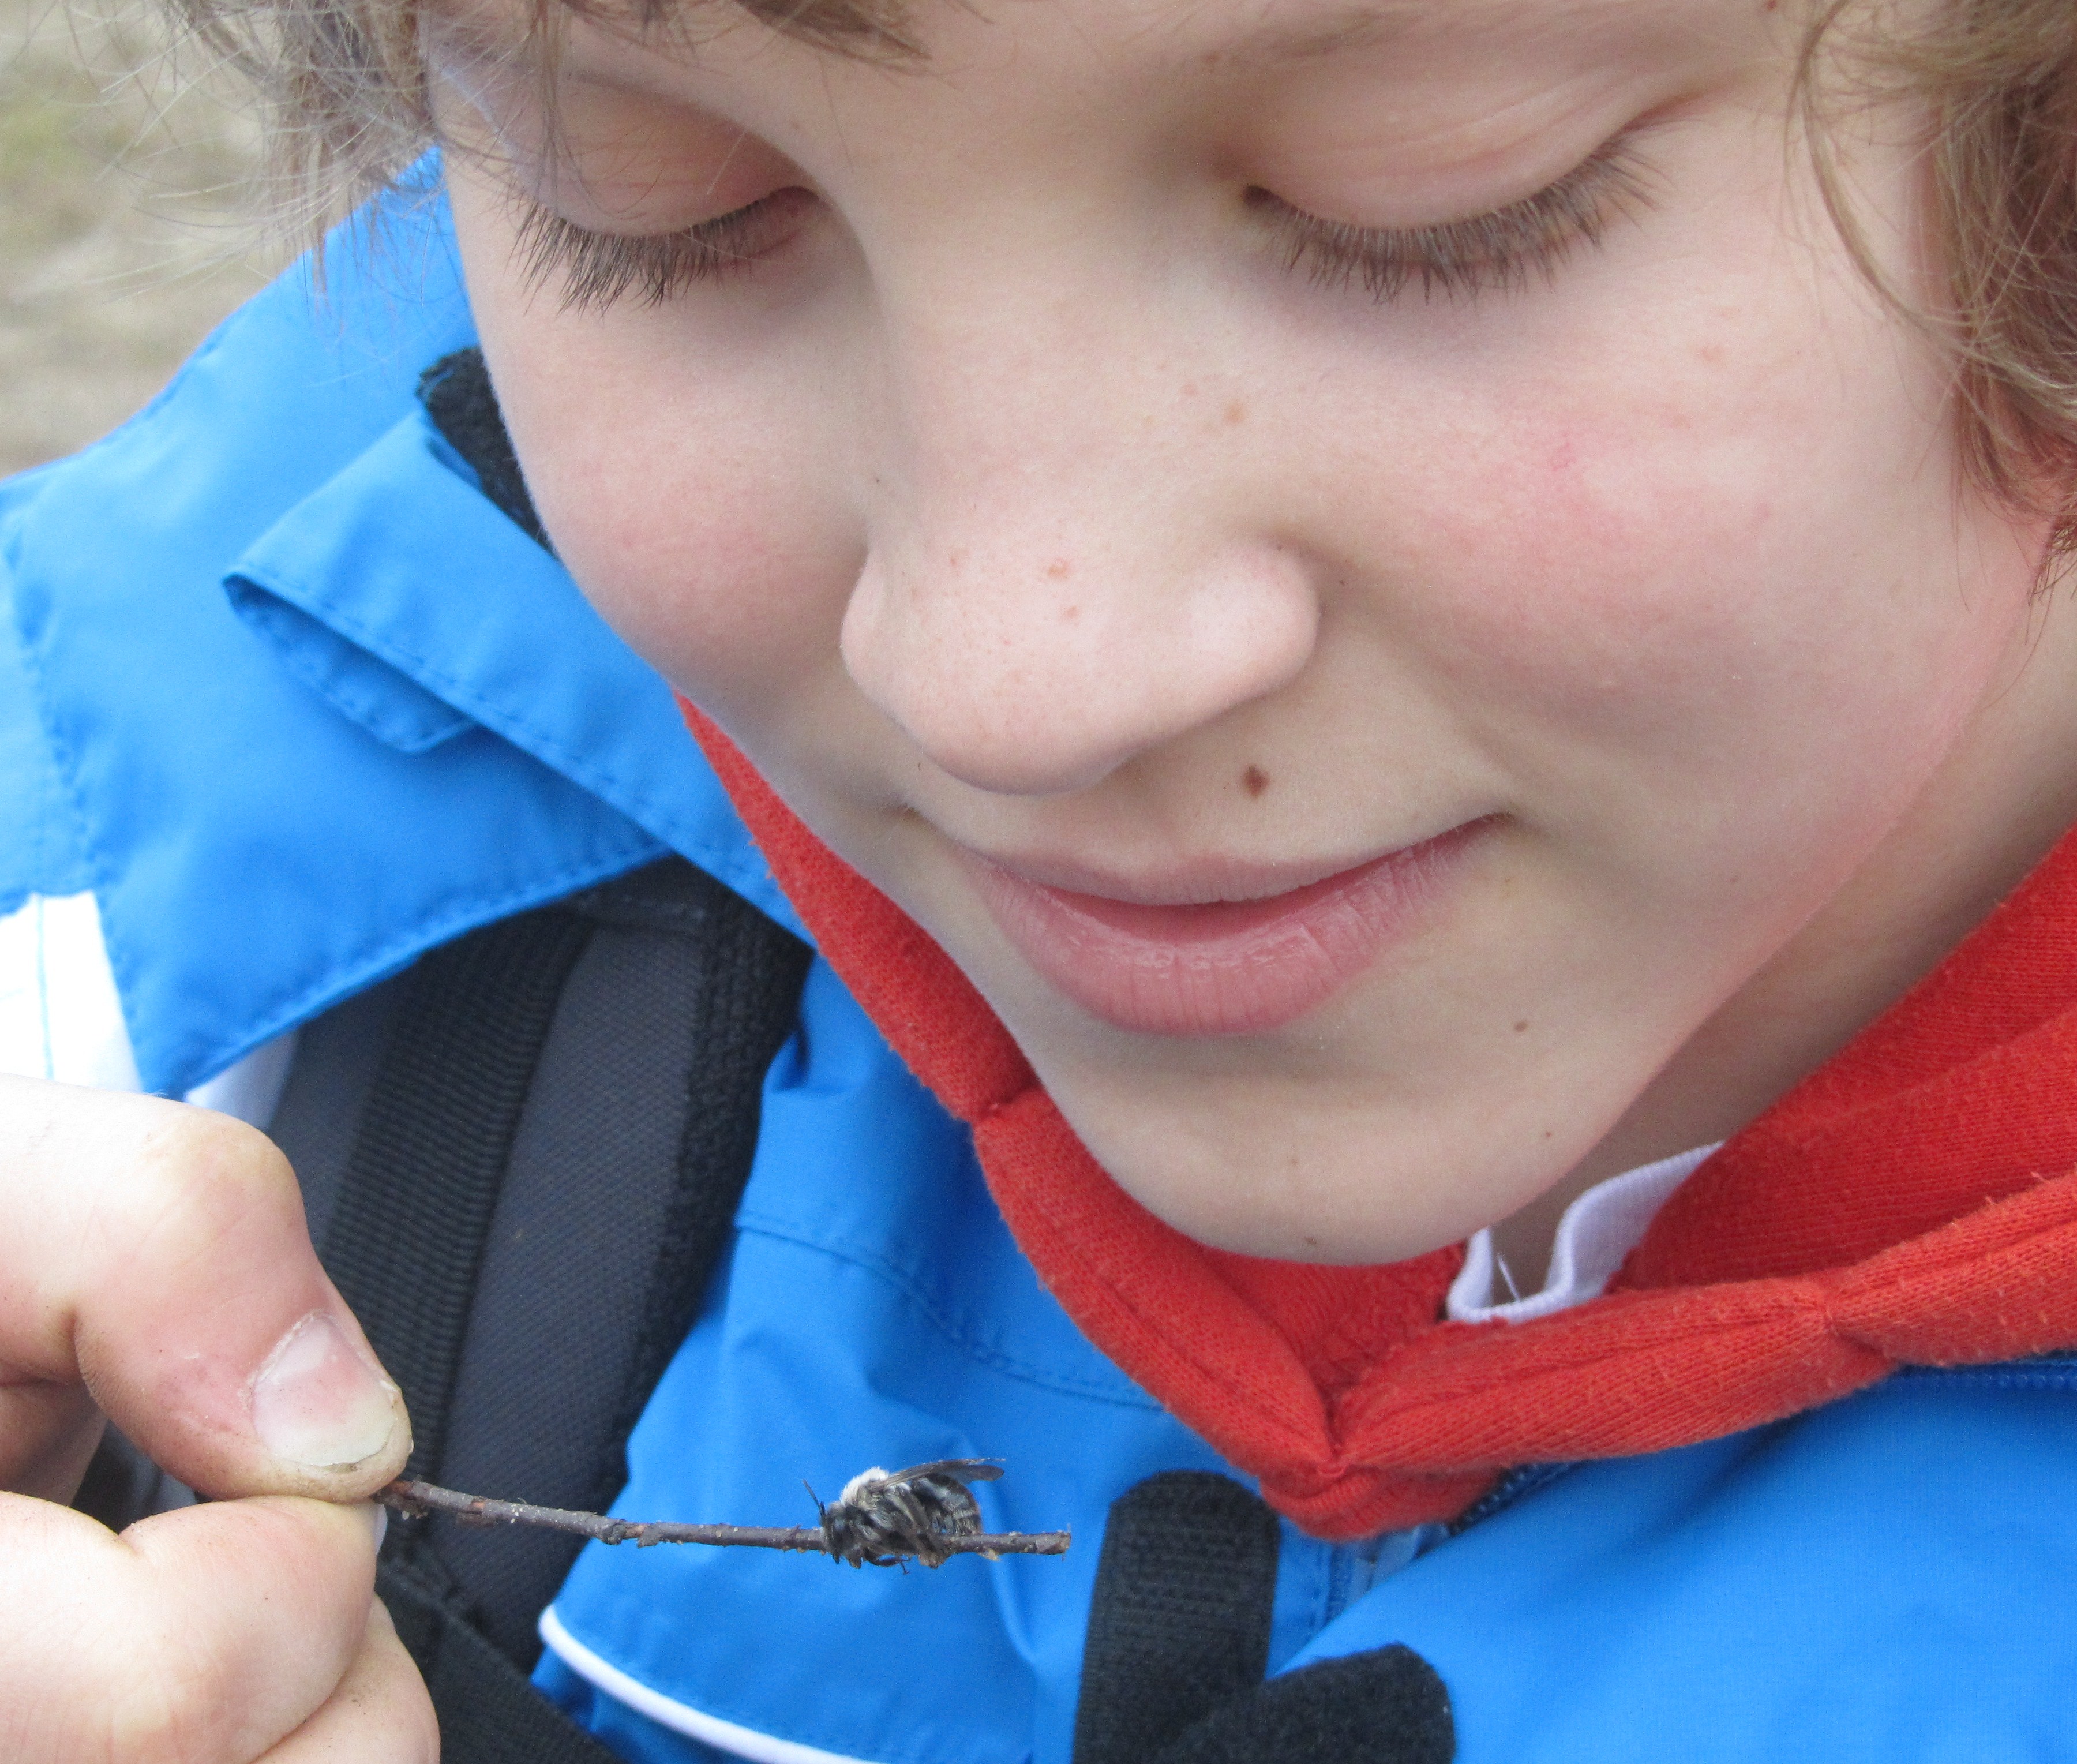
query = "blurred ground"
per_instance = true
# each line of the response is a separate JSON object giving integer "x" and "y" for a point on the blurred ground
{"x": 122, "y": 190}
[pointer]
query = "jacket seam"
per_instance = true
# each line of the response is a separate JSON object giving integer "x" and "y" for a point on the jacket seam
{"x": 471, "y": 703}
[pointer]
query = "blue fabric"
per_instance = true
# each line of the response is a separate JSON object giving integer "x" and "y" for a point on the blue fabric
{"x": 875, "y": 1311}
{"x": 42, "y": 852}
{"x": 402, "y": 721}
{"x": 1891, "y": 1578}
{"x": 298, "y": 703}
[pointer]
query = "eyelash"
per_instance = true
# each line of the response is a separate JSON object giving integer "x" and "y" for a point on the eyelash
{"x": 599, "y": 270}
{"x": 1501, "y": 250}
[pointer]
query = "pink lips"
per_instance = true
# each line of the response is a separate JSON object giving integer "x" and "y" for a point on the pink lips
{"x": 1227, "y": 967}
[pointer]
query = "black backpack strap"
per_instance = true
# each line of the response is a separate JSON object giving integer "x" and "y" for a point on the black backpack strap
{"x": 556, "y": 1117}
{"x": 1178, "y": 1643}
{"x": 415, "y": 1205}
{"x": 490, "y": 1711}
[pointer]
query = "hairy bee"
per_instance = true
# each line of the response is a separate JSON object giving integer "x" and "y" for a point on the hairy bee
{"x": 884, "y": 1515}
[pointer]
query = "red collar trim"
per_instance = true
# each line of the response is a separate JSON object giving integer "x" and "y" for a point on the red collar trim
{"x": 1909, "y": 1203}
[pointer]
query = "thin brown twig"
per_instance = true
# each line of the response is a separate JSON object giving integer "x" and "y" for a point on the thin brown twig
{"x": 416, "y": 1499}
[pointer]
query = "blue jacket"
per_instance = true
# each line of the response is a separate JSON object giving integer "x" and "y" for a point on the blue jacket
{"x": 285, "y": 702}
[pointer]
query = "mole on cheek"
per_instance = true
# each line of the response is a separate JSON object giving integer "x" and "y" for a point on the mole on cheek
{"x": 1254, "y": 781}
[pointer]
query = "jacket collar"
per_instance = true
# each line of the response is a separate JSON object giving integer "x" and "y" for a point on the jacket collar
{"x": 392, "y": 718}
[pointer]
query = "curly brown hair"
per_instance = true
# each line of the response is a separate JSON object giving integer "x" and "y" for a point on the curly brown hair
{"x": 1996, "y": 82}
{"x": 343, "y": 84}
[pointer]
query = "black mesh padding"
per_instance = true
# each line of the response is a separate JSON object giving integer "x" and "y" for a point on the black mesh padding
{"x": 1180, "y": 1620}
{"x": 619, "y": 1201}
{"x": 1385, "y": 1706}
{"x": 456, "y": 391}
{"x": 408, "y": 1230}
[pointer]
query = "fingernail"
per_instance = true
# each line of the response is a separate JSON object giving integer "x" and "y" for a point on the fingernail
{"x": 318, "y": 1404}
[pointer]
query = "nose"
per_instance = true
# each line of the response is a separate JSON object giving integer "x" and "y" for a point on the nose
{"x": 1061, "y": 570}
{"x": 1036, "y": 667}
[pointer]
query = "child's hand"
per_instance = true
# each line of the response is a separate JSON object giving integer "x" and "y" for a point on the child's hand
{"x": 154, "y": 1266}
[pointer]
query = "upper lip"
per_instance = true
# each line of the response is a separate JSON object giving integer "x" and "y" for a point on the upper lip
{"x": 1200, "y": 881}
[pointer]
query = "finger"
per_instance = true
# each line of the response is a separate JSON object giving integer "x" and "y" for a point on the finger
{"x": 209, "y": 1632}
{"x": 379, "y": 1714}
{"x": 159, "y": 1253}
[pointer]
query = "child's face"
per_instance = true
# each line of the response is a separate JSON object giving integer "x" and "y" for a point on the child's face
{"x": 1052, "y": 509}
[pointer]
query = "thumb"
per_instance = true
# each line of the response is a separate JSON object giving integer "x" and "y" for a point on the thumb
{"x": 158, "y": 1254}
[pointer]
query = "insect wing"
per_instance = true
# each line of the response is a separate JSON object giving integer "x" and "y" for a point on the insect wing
{"x": 960, "y": 1470}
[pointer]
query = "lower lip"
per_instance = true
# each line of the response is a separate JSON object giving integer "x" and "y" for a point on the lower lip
{"x": 1240, "y": 967}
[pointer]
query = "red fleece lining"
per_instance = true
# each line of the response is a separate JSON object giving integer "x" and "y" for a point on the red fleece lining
{"x": 1890, "y": 1210}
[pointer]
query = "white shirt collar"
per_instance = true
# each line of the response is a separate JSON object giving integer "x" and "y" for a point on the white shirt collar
{"x": 1598, "y": 1230}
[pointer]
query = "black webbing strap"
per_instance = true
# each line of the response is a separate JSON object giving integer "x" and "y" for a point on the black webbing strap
{"x": 407, "y": 1235}
{"x": 1180, "y": 1620}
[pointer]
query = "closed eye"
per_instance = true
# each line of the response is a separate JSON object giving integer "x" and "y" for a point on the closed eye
{"x": 1503, "y": 250}
{"x": 597, "y": 270}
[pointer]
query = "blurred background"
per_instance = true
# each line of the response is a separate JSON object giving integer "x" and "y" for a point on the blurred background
{"x": 126, "y": 217}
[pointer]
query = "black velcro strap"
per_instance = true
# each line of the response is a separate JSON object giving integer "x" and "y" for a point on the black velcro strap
{"x": 1179, "y": 1622}
{"x": 421, "y": 1187}
{"x": 489, "y": 1713}
{"x": 1387, "y": 1706}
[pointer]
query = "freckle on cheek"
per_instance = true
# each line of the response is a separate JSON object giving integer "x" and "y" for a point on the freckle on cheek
{"x": 1254, "y": 781}
{"x": 1057, "y": 570}
{"x": 1236, "y": 412}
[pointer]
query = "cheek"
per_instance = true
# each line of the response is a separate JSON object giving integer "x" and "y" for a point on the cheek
{"x": 687, "y": 502}
{"x": 1680, "y": 570}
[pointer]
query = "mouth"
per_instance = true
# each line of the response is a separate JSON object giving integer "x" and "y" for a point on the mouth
{"x": 1198, "y": 967}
